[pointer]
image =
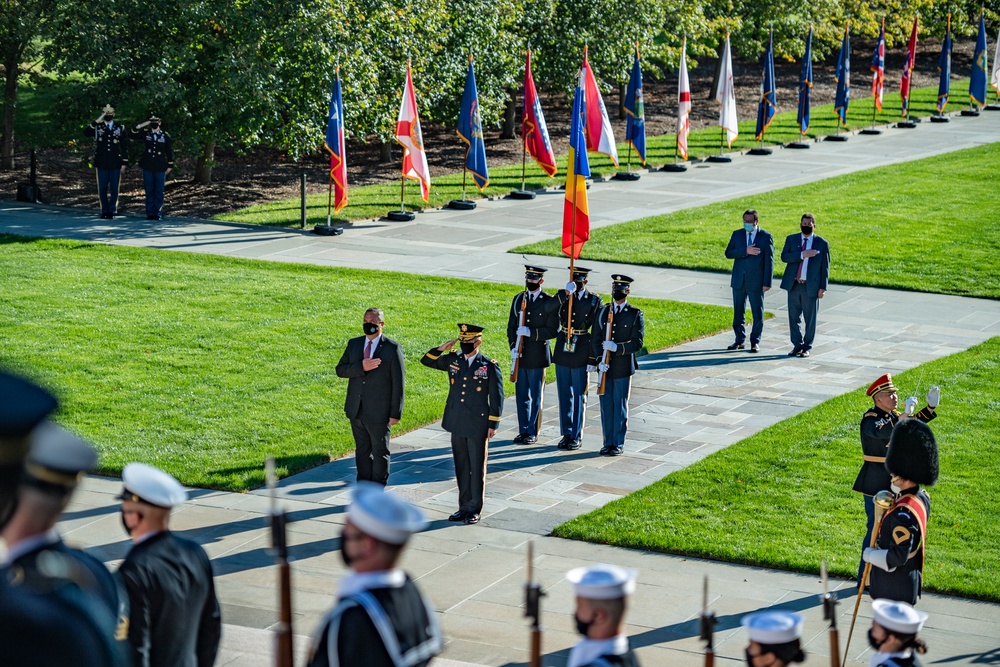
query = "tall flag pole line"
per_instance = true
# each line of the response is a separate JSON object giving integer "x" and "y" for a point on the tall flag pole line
{"x": 683, "y": 113}
{"x": 802, "y": 115}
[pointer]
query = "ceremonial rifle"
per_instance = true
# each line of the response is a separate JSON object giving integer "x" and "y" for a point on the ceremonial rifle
{"x": 520, "y": 339}
{"x": 884, "y": 500}
{"x": 570, "y": 343}
{"x": 706, "y": 627}
{"x": 606, "y": 357}
{"x": 279, "y": 543}
{"x": 830, "y": 614}
{"x": 533, "y": 609}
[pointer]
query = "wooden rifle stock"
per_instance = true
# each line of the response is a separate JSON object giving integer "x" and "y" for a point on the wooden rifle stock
{"x": 284, "y": 654}
{"x": 520, "y": 339}
{"x": 706, "y": 627}
{"x": 606, "y": 357}
{"x": 830, "y": 614}
{"x": 533, "y": 609}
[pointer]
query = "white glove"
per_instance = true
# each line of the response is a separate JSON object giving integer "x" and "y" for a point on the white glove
{"x": 934, "y": 396}
{"x": 571, "y": 287}
{"x": 911, "y": 405}
{"x": 602, "y": 367}
{"x": 523, "y": 331}
{"x": 877, "y": 557}
{"x": 591, "y": 368}
{"x": 610, "y": 345}
{"x": 514, "y": 354}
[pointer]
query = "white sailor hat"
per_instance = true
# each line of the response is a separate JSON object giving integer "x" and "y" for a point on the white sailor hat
{"x": 898, "y": 616}
{"x": 146, "y": 484}
{"x": 384, "y": 515}
{"x": 773, "y": 627}
{"x": 602, "y": 582}
{"x": 58, "y": 457}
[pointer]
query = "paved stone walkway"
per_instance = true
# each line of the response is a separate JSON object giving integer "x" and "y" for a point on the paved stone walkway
{"x": 687, "y": 402}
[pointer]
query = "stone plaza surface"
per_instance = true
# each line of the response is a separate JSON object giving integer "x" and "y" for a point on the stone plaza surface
{"x": 687, "y": 402}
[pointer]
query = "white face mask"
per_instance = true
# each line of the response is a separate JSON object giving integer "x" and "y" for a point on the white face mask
{"x": 894, "y": 488}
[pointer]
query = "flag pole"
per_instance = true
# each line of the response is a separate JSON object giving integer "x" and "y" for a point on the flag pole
{"x": 329, "y": 199}
{"x": 674, "y": 166}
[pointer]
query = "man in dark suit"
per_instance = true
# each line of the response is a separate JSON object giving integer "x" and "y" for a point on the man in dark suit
{"x": 752, "y": 252}
{"x": 807, "y": 271}
{"x": 174, "y": 614}
{"x": 471, "y": 415}
{"x": 574, "y": 355}
{"x": 373, "y": 364}
{"x": 616, "y": 346}
{"x": 533, "y": 320}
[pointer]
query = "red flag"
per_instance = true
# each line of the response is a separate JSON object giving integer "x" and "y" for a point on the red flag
{"x": 911, "y": 55}
{"x": 533, "y": 130}
{"x": 598, "y": 128}
{"x": 409, "y": 136}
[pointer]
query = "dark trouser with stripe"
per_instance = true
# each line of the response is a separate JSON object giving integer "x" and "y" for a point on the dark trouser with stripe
{"x": 571, "y": 384}
{"x": 870, "y": 511}
{"x": 470, "y": 471}
{"x": 371, "y": 453}
{"x": 153, "y": 181}
{"x": 528, "y": 395}
{"x": 614, "y": 410}
{"x": 107, "y": 189}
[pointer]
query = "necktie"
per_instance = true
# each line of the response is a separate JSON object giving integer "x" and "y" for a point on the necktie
{"x": 749, "y": 240}
{"x": 798, "y": 274}
{"x": 368, "y": 350}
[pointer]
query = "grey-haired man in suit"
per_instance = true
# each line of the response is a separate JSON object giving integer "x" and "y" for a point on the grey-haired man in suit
{"x": 807, "y": 271}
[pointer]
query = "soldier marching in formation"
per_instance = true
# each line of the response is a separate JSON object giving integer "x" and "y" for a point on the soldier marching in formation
{"x": 156, "y": 162}
{"x": 574, "y": 357}
{"x": 775, "y": 638}
{"x": 110, "y": 158}
{"x": 893, "y": 635}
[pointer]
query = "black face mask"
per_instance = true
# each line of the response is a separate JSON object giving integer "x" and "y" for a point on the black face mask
{"x": 874, "y": 643}
{"x": 467, "y": 348}
{"x": 619, "y": 295}
{"x": 155, "y": 127}
{"x": 531, "y": 286}
{"x": 128, "y": 531}
{"x": 579, "y": 285}
{"x": 108, "y": 118}
{"x": 806, "y": 230}
{"x": 583, "y": 627}
{"x": 343, "y": 550}
{"x": 370, "y": 328}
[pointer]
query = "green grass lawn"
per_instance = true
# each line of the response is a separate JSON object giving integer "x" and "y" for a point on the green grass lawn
{"x": 373, "y": 201}
{"x": 205, "y": 365}
{"x": 912, "y": 226}
{"x": 782, "y": 498}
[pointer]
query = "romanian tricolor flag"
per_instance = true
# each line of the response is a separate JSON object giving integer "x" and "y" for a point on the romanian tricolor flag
{"x": 533, "y": 130}
{"x": 335, "y": 144}
{"x": 911, "y": 56}
{"x": 598, "y": 128}
{"x": 410, "y": 137}
{"x": 878, "y": 68}
{"x": 576, "y": 212}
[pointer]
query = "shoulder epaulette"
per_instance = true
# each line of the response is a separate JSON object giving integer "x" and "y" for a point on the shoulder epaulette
{"x": 870, "y": 413}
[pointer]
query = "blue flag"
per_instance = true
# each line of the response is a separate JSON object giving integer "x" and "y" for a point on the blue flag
{"x": 977, "y": 82}
{"x": 768, "y": 94}
{"x": 805, "y": 85}
{"x": 635, "y": 129}
{"x": 470, "y": 129}
{"x": 843, "y": 76}
{"x": 577, "y": 129}
{"x": 944, "y": 66}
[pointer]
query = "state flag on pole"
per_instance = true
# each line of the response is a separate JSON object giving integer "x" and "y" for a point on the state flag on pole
{"x": 598, "y": 129}
{"x": 576, "y": 212}
{"x": 470, "y": 129}
{"x": 944, "y": 66}
{"x": 843, "y": 76}
{"x": 911, "y": 54}
{"x": 995, "y": 77}
{"x": 409, "y": 136}
{"x": 725, "y": 97}
{"x": 635, "y": 128}
{"x": 534, "y": 133}
{"x": 805, "y": 86}
{"x": 977, "y": 82}
{"x": 768, "y": 92}
{"x": 683, "y": 104}
{"x": 878, "y": 68}
{"x": 335, "y": 144}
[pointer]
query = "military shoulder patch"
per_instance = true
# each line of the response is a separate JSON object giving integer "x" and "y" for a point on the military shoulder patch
{"x": 900, "y": 534}
{"x": 870, "y": 413}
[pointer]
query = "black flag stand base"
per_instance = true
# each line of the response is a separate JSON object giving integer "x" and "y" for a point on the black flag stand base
{"x": 522, "y": 194}
{"x": 941, "y": 118}
{"x": 906, "y": 125}
{"x": 626, "y": 176}
{"x": 992, "y": 107}
{"x": 800, "y": 144}
{"x": 327, "y": 230}
{"x": 461, "y": 204}
{"x": 675, "y": 167}
{"x": 970, "y": 113}
{"x": 401, "y": 216}
{"x": 870, "y": 131}
{"x": 718, "y": 158}
{"x": 760, "y": 150}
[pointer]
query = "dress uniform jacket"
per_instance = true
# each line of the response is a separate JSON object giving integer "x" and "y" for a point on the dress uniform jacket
{"x": 157, "y": 150}
{"x": 585, "y": 310}
{"x": 380, "y": 626}
{"x": 876, "y": 428}
{"x": 903, "y": 535}
{"x": 542, "y": 317}
{"x": 627, "y": 329}
{"x": 626, "y": 660}
{"x": 111, "y": 150}
{"x": 174, "y": 615}
{"x": 475, "y": 393}
{"x": 898, "y": 661}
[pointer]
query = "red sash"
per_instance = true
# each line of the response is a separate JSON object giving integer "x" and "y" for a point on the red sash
{"x": 919, "y": 510}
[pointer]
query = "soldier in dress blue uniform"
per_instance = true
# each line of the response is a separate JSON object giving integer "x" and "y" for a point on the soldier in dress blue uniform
{"x": 574, "y": 357}
{"x": 50, "y": 614}
{"x": 380, "y": 618}
{"x": 540, "y": 324}
{"x": 617, "y": 354}
{"x": 898, "y": 555}
{"x": 876, "y": 429}
{"x": 893, "y": 634}
{"x": 601, "y": 596}
{"x": 156, "y": 162}
{"x": 110, "y": 158}
{"x": 471, "y": 414}
{"x": 775, "y": 638}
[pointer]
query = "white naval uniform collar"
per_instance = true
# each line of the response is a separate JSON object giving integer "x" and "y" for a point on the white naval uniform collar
{"x": 358, "y": 582}
{"x": 589, "y": 650}
{"x": 879, "y": 658}
{"x": 29, "y": 544}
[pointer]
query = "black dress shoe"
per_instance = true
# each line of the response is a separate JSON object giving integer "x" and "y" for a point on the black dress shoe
{"x": 471, "y": 518}
{"x": 754, "y": 347}
{"x": 615, "y": 451}
{"x": 529, "y": 440}
{"x": 563, "y": 441}
{"x": 458, "y": 516}
{"x": 573, "y": 444}
{"x": 736, "y": 346}
{"x": 519, "y": 439}
{"x": 605, "y": 451}
{"x": 151, "y": 217}
{"x": 803, "y": 353}
{"x": 795, "y": 352}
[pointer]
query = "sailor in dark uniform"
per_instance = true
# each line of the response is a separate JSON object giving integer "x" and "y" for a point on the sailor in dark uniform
{"x": 49, "y": 615}
{"x": 174, "y": 614}
{"x": 876, "y": 428}
{"x": 110, "y": 158}
{"x": 616, "y": 348}
{"x": 601, "y": 597}
{"x": 471, "y": 415}
{"x": 380, "y": 618}
{"x": 573, "y": 355}
{"x": 533, "y": 321}
{"x": 156, "y": 162}
{"x": 898, "y": 555}
{"x": 893, "y": 634}
{"x": 775, "y": 638}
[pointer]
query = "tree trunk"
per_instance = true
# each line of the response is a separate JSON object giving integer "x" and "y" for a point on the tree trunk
{"x": 622, "y": 92}
{"x": 204, "y": 164}
{"x": 11, "y": 66}
{"x": 509, "y": 115}
{"x": 385, "y": 151}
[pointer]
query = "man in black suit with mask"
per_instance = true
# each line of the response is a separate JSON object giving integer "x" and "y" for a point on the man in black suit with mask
{"x": 373, "y": 364}
{"x": 752, "y": 252}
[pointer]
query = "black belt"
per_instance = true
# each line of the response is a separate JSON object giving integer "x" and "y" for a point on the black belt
{"x": 800, "y": 282}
